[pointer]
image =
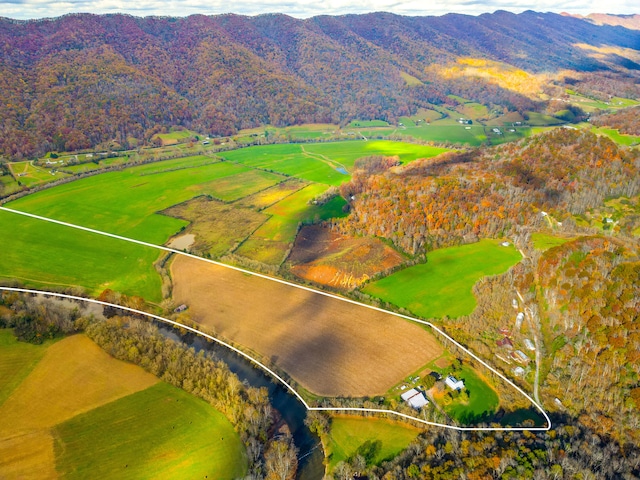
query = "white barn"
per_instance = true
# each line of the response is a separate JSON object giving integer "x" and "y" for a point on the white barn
{"x": 415, "y": 398}
{"x": 453, "y": 383}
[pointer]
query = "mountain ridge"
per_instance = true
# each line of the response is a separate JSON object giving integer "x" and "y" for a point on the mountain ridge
{"x": 82, "y": 79}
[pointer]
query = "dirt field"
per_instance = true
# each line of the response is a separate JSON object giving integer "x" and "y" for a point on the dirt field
{"x": 331, "y": 347}
{"x": 328, "y": 258}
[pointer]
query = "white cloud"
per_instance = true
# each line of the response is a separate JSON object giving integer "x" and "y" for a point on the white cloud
{"x": 25, "y": 9}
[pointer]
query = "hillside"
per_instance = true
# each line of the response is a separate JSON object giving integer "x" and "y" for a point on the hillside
{"x": 83, "y": 80}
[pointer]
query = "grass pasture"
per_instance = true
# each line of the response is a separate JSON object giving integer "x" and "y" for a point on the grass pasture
{"x": 616, "y": 136}
{"x": 453, "y": 133}
{"x": 160, "y": 432}
{"x": 348, "y": 434}
{"x": 30, "y": 175}
{"x": 42, "y": 254}
{"x": 125, "y": 202}
{"x": 368, "y": 123}
{"x": 328, "y": 163}
{"x": 443, "y": 286}
{"x": 330, "y": 347}
{"x": 544, "y": 241}
{"x": 483, "y": 400}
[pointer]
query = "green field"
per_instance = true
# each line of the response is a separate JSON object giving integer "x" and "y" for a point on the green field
{"x": 616, "y": 136}
{"x": 328, "y": 163}
{"x": 160, "y": 432}
{"x": 483, "y": 400}
{"x": 443, "y": 286}
{"x": 30, "y": 175}
{"x": 42, "y": 254}
{"x": 368, "y": 123}
{"x": 453, "y": 133}
{"x": 543, "y": 241}
{"x": 125, "y": 202}
{"x": 348, "y": 434}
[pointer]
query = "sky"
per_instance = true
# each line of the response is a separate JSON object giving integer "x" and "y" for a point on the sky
{"x": 26, "y": 9}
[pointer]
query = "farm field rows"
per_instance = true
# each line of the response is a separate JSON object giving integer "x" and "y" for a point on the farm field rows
{"x": 119, "y": 406}
{"x": 442, "y": 286}
{"x": 330, "y": 347}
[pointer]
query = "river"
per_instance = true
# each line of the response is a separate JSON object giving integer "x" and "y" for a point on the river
{"x": 310, "y": 453}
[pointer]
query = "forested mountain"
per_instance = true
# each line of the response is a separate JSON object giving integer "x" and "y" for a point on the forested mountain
{"x": 459, "y": 196}
{"x": 79, "y": 80}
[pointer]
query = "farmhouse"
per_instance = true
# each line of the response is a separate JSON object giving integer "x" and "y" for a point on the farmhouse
{"x": 180, "y": 308}
{"x": 505, "y": 342}
{"x": 529, "y": 344}
{"x": 453, "y": 383}
{"x": 518, "y": 371}
{"x": 415, "y": 398}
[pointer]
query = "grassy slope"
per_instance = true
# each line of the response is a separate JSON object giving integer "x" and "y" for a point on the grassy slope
{"x": 442, "y": 286}
{"x": 543, "y": 241}
{"x": 40, "y": 254}
{"x": 347, "y": 434}
{"x": 160, "y": 432}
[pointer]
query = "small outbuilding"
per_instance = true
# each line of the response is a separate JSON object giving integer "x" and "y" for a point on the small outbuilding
{"x": 453, "y": 383}
{"x": 415, "y": 398}
{"x": 181, "y": 308}
{"x": 529, "y": 344}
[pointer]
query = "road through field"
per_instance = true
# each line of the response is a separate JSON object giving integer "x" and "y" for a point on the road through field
{"x": 330, "y": 347}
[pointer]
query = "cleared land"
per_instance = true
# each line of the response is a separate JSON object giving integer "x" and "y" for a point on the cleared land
{"x": 272, "y": 240}
{"x": 330, "y": 347}
{"x": 442, "y": 286}
{"x": 125, "y": 202}
{"x": 217, "y": 226}
{"x": 348, "y": 434}
{"x": 328, "y": 258}
{"x": 42, "y": 254}
{"x": 73, "y": 376}
{"x": 328, "y": 163}
{"x": 160, "y": 432}
{"x": 544, "y": 241}
{"x": 74, "y": 411}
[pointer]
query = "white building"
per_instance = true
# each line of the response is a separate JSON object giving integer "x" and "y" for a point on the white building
{"x": 529, "y": 344}
{"x": 415, "y": 398}
{"x": 518, "y": 371}
{"x": 453, "y": 383}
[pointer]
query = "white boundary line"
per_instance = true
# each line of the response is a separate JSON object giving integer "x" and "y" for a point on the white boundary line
{"x": 302, "y": 287}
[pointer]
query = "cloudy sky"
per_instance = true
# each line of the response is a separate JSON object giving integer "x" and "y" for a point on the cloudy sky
{"x": 25, "y": 9}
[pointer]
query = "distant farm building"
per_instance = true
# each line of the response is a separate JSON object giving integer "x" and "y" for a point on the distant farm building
{"x": 181, "y": 308}
{"x": 519, "y": 319}
{"x": 505, "y": 342}
{"x": 415, "y": 398}
{"x": 520, "y": 356}
{"x": 518, "y": 371}
{"x": 453, "y": 383}
{"x": 529, "y": 344}
{"x": 505, "y": 244}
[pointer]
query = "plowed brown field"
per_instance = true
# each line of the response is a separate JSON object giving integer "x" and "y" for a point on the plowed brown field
{"x": 330, "y": 347}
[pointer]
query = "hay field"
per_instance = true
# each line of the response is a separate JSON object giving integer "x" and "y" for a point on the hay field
{"x": 73, "y": 375}
{"x": 73, "y": 411}
{"x": 331, "y": 348}
{"x": 443, "y": 286}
